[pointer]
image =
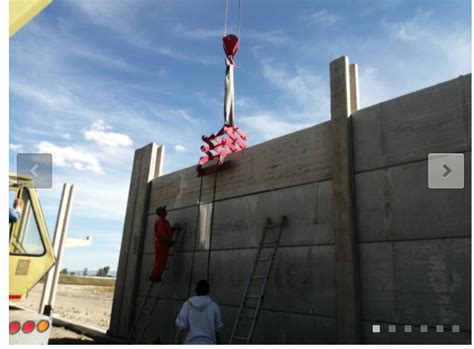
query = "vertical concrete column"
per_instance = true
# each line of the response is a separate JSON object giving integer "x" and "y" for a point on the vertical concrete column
{"x": 60, "y": 235}
{"x": 147, "y": 165}
{"x": 347, "y": 268}
{"x": 354, "y": 83}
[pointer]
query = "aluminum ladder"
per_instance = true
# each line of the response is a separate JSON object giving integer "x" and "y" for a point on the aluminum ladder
{"x": 247, "y": 315}
{"x": 137, "y": 331}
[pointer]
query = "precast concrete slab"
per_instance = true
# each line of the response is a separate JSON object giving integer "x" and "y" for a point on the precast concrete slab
{"x": 290, "y": 287}
{"x": 422, "y": 281}
{"x": 395, "y": 203}
{"x": 405, "y": 129}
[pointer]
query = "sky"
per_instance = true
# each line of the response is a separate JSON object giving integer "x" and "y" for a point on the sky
{"x": 91, "y": 81}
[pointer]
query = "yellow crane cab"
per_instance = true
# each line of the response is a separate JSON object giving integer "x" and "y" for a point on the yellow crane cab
{"x": 31, "y": 257}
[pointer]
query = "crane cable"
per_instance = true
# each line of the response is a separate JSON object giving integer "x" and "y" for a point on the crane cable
{"x": 226, "y": 15}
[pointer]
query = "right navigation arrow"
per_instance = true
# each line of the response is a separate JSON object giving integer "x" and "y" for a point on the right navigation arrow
{"x": 448, "y": 171}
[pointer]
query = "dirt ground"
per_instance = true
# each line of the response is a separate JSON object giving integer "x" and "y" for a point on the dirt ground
{"x": 87, "y": 305}
{"x": 60, "y": 335}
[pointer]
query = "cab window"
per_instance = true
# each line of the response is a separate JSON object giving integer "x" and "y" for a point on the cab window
{"x": 27, "y": 237}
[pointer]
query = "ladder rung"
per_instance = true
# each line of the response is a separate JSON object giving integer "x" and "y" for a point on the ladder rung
{"x": 264, "y": 259}
{"x": 259, "y": 277}
{"x": 241, "y": 338}
{"x": 270, "y": 226}
{"x": 269, "y": 243}
{"x": 253, "y": 296}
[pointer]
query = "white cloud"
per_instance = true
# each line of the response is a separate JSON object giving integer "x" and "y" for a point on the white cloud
{"x": 372, "y": 88}
{"x": 71, "y": 157}
{"x": 112, "y": 14}
{"x": 210, "y": 100}
{"x": 273, "y": 37}
{"x": 172, "y": 115}
{"x": 410, "y": 29}
{"x": 94, "y": 198}
{"x": 320, "y": 17}
{"x": 99, "y": 133}
{"x": 16, "y": 147}
{"x": 422, "y": 36}
{"x": 180, "y": 149}
{"x": 196, "y": 33}
{"x": 305, "y": 92}
{"x": 46, "y": 97}
{"x": 66, "y": 136}
{"x": 119, "y": 16}
{"x": 267, "y": 126}
{"x": 102, "y": 59}
{"x": 148, "y": 44}
{"x": 414, "y": 53}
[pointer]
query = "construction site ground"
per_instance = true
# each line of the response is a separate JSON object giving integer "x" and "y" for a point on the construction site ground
{"x": 85, "y": 304}
{"x": 60, "y": 335}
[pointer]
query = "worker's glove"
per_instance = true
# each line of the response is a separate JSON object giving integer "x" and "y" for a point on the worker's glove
{"x": 177, "y": 227}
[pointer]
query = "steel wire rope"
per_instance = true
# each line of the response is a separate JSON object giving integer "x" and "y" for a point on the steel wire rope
{"x": 195, "y": 238}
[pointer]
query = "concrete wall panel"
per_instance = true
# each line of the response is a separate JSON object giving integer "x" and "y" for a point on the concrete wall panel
{"x": 289, "y": 328}
{"x": 395, "y": 203}
{"x": 302, "y": 279}
{"x": 180, "y": 189}
{"x": 279, "y": 163}
{"x": 433, "y": 120}
{"x": 238, "y": 223}
{"x": 414, "y": 282}
{"x": 275, "y": 327}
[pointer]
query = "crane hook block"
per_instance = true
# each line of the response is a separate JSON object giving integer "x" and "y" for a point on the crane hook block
{"x": 231, "y": 46}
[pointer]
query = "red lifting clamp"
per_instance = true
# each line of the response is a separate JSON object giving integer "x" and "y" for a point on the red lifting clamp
{"x": 230, "y": 139}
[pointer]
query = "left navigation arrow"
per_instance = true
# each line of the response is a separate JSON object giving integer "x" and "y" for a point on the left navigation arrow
{"x": 33, "y": 171}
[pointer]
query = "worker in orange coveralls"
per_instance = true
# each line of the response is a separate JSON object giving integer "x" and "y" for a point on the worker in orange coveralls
{"x": 163, "y": 242}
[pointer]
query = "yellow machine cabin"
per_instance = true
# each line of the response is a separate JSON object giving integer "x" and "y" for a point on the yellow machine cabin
{"x": 31, "y": 251}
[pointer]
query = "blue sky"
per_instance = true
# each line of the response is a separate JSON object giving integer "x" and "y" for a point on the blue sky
{"x": 90, "y": 81}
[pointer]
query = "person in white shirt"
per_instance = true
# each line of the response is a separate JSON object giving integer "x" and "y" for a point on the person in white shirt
{"x": 14, "y": 213}
{"x": 199, "y": 318}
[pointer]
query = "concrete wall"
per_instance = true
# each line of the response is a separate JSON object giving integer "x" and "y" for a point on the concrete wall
{"x": 413, "y": 243}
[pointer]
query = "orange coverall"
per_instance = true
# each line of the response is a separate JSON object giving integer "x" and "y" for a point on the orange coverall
{"x": 163, "y": 234}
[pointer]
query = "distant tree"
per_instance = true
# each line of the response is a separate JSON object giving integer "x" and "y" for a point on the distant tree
{"x": 64, "y": 271}
{"x": 103, "y": 271}
{"x": 84, "y": 272}
{"x": 72, "y": 273}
